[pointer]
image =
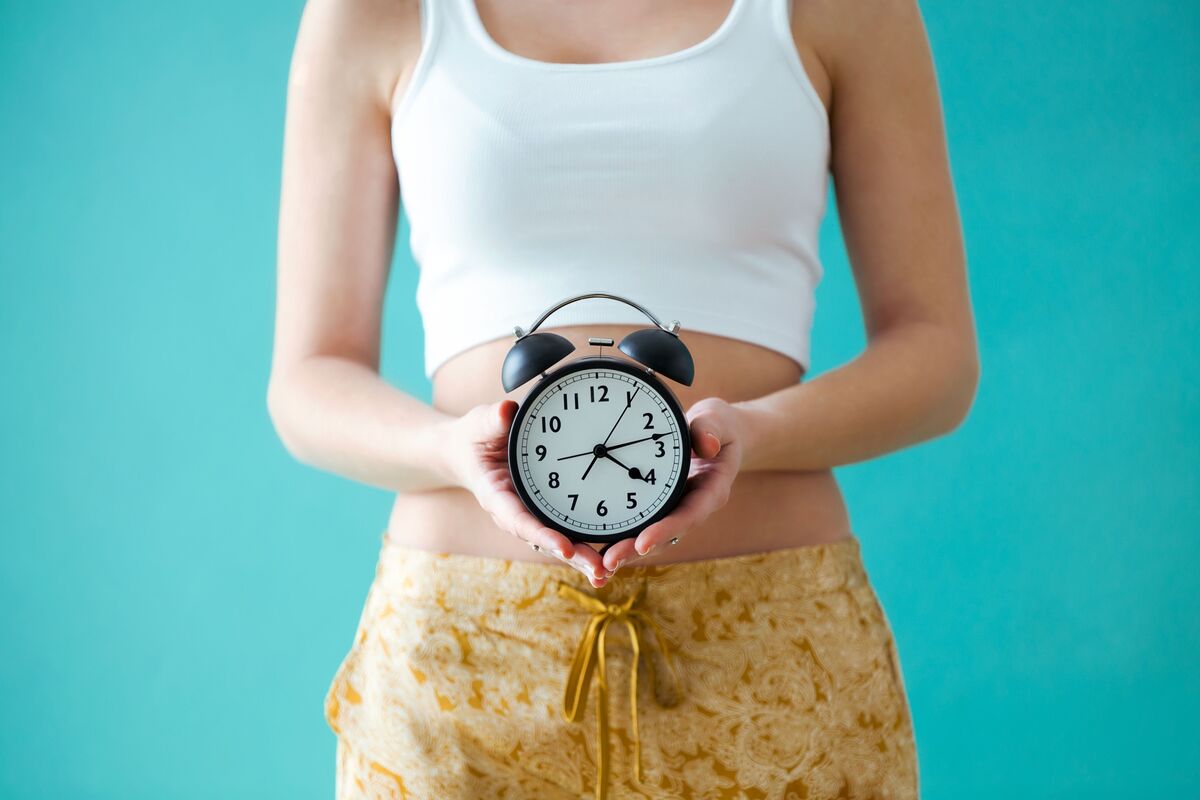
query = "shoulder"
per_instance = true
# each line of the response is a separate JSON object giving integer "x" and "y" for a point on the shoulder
{"x": 362, "y": 46}
{"x": 847, "y": 34}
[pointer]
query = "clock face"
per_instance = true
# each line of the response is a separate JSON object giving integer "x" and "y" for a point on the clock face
{"x": 599, "y": 450}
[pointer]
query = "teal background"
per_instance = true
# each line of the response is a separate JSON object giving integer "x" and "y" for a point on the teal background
{"x": 176, "y": 592}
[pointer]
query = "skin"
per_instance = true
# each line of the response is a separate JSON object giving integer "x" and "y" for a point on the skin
{"x": 765, "y": 438}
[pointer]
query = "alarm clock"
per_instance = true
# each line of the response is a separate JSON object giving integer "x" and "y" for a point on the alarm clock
{"x": 599, "y": 447}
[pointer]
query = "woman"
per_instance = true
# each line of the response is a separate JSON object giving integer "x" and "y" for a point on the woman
{"x": 676, "y": 153}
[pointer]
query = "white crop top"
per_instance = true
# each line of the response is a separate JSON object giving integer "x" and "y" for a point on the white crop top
{"x": 693, "y": 183}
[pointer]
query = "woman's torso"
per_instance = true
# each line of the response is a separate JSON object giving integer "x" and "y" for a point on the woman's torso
{"x": 766, "y": 510}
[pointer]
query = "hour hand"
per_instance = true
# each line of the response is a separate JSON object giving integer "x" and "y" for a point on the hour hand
{"x": 634, "y": 472}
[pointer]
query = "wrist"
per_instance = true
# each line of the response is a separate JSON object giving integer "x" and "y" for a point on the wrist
{"x": 437, "y": 445}
{"x": 757, "y": 428}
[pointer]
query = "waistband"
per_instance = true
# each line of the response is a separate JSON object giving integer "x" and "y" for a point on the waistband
{"x": 470, "y": 582}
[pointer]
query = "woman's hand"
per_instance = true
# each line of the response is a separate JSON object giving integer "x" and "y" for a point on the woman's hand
{"x": 717, "y": 431}
{"x": 476, "y": 458}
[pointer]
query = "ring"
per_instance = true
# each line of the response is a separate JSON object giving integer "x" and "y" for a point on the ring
{"x": 674, "y": 540}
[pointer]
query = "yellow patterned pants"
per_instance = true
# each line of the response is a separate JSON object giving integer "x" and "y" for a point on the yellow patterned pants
{"x": 767, "y": 675}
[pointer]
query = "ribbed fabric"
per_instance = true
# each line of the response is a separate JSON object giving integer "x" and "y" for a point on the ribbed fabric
{"x": 693, "y": 182}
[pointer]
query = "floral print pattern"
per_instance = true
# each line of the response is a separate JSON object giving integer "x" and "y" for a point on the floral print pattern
{"x": 789, "y": 685}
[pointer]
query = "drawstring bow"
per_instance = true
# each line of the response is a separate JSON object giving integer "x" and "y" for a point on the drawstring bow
{"x": 591, "y": 650}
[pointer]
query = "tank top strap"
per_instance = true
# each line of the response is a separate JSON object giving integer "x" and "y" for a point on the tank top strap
{"x": 458, "y": 15}
{"x": 763, "y": 23}
{"x": 450, "y": 24}
{"x": 752, "y": 22}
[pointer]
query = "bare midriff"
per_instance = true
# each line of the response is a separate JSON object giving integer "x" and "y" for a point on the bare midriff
{"x": 766, "y": 510}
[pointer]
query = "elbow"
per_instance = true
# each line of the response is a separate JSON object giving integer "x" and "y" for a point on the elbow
{"x": 279, "y": 403}
{"x": 962, "y": 387}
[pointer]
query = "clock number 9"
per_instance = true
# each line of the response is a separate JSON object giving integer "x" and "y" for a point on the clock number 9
{"x": 541, "y": 451}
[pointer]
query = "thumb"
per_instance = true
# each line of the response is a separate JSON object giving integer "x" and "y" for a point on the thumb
{"x": 498, "y": 419}
{"x": 706, "y": 437}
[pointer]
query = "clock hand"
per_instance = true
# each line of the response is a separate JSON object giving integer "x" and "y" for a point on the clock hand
{"x": 595, "y": 458}
{"x": 623, "y": 410}
{"x": 577, "y": 455}
{"x": 634, "y": 472}
{"x": 635, "y": 441}
{"x": 615, "y": 446}
{"x": 600, "y": 447}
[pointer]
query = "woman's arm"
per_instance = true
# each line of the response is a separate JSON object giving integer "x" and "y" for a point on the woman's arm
{"x": 337, "y": 226}
{"x": 338, "y": 207}
{"x": 917, "y": 376}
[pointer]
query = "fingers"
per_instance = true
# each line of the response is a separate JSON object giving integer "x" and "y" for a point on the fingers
{"x": 509, "y": 514}
{"x": 497, "y": 420}
{"x": 697, "y": 505}
{"x": 492, "y": 486}
{"x": 709, "y": 493}
{"x": 618, "y": 554}
{"x": 588, "y": 561}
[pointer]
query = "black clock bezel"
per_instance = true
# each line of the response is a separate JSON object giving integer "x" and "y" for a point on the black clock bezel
{"x": 620, "y": 365}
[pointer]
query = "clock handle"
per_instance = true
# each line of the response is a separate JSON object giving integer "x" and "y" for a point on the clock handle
{"x": 659, "y": 348}
{"x": 673, "y": 328}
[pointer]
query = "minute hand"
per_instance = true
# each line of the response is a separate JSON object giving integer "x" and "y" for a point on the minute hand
{"x": 636, "y": 441}
{"x": 623, "y": 410}
{"x": 614, "y": 446}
